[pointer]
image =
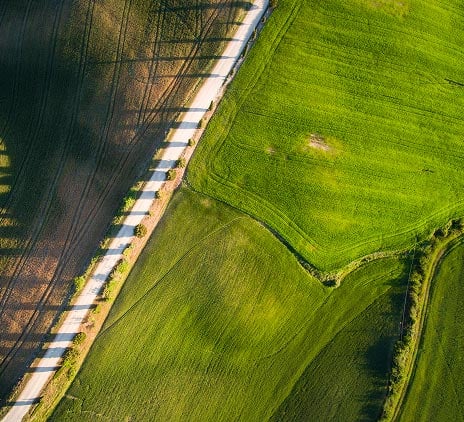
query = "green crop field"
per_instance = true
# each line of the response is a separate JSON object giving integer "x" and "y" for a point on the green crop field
{"x": 87, "y": 90}
{"x": 343, "y": 130}
{"x": 224, "y": 324}
{"x": 436, "y": 390}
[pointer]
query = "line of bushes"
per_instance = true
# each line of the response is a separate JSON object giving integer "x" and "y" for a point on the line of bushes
{"x": 118, "y": 273}
{"x": 426, "y": 255}
{"x": 335, "y": 278}
{"x": 72, "y": 354}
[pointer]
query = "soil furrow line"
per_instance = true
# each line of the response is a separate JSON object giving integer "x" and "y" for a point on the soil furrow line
{"x": 44, "y": 208}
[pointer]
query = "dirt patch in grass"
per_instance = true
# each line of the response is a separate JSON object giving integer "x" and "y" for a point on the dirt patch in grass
{"x": 318, "y": 142}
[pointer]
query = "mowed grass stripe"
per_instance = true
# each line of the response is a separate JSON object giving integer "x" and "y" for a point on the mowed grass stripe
{"x": 222, "y": 322}
{"x": 376, "y": 90}
{"x": 436, "y": 388}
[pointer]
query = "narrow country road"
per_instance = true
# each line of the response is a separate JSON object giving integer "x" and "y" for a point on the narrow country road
{"x": 208, "y": 92}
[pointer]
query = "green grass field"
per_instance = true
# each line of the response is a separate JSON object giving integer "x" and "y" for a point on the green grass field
{"x": 353, "y": 112}
{"x": 436, "y": 388}
{"x": 223, "y": 322}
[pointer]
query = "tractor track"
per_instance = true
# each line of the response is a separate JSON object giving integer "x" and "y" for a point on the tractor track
{"x": 45, "y": 207}
{"x": 163, "y": 102}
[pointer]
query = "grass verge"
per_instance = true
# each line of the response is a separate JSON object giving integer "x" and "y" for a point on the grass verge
{"x": 423, "y": 271}
{"x": 436, "y": 388}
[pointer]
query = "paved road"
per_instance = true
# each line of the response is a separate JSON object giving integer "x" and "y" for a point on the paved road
{"x": 209, "y": 91}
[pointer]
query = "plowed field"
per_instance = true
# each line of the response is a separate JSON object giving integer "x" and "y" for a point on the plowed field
{"x": 87, "y": 91}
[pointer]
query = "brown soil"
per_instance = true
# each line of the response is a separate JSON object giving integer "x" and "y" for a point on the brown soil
{"x": 67, "y": 183}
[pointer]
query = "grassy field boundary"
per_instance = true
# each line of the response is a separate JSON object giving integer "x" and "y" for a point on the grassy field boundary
{"x": 329, "y": 278}
{"x": 165, "y": 277}
{"x": 422, "y": 273}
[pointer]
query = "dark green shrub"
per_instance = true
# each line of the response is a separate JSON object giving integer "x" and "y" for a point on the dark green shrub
{"x": 96, "y": 310}
{"x": 191, "y": 142}
{"x": 140, "y": 230}
{"x": 78, "y": 283}
{"x": 456, "y": 224}
{"x": 123, "y": 266}
{"x": 108, "y": 290}
{"x": 181, "y": 162}
{"x": 439, "y": 233}
{"x": 79, "y": 338}
{"x": 70, "y": 357}
{"x": 171, "y": 174}
{"x": 330, "y": 283}
{"x": 71, "y": 373}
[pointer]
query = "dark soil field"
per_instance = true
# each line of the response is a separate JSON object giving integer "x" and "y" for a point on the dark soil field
{"x": 87, "y": 91}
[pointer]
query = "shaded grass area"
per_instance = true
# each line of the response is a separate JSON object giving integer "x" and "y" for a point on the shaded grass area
{"x": 436, "y": 387}
{"x": 343, "y": 129}
{"x": 348, "y": 378}
{"x": 222, "y": 322}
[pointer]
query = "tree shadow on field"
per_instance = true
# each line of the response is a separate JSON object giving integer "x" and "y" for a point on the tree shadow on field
{"x": 378, "y": 357}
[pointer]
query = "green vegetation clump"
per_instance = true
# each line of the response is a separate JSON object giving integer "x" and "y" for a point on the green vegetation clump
{"x": 123, "y": 265}
{"x": 181, "y": 162}
{"x": 78, "y": 283}
{"x": 171, "y": 174}
{"x": 70, "y": 357}
{"x": 202, "y": 123}
{"x": 79, "y": 338}
{"x": 140, "y": 230}
{"x": 107, "y": 291}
